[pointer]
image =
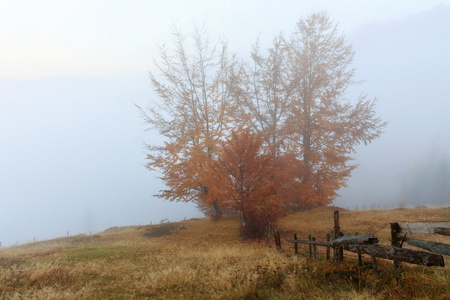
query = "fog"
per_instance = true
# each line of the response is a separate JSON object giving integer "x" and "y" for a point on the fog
{"x": 72, "y": 141}
{"x": 406, "y": 65}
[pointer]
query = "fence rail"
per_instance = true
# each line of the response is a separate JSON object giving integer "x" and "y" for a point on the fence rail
{"x": 422, "y": 227}
{"x": 367, "y": 244}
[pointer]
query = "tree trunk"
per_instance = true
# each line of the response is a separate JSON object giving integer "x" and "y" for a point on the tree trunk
{"x": 217, "y": 211}
{"x": 244, "y": 234}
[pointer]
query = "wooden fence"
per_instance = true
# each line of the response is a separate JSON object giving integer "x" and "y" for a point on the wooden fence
{"x": 368, "y": 244}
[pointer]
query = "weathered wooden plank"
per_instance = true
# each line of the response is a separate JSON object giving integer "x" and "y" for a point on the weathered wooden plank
{"x": 421, "y": 227}
{"x": 398, "y": 254}
{"x": 435, "y": 247}
{"x": 356, "y": 239}
{"x": 441, "y": 230}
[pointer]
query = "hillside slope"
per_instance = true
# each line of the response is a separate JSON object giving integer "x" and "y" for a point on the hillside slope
{"x": 203, "y": 259}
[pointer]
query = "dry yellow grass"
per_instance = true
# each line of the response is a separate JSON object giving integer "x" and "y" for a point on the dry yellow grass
{"x": 207, "y": 261}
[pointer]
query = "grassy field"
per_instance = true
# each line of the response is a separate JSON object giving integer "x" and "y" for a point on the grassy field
{"x": 206, "y": 260}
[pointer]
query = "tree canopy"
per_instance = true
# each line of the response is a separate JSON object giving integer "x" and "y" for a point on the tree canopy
{"x": 193, "y": 110}
{"x": 296, "y": 129}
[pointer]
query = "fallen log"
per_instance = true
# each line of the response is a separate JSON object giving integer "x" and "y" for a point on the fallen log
{"x": 435, "y": 247}
{"x": 442, "y": 230}
{"x": 398, "y": 254}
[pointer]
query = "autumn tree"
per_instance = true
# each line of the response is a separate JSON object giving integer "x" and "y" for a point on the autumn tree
{"x": 297, "y": 94}
{"x": 244, "y": 177}
{"x": 293, "y": 96}
{"x": 193, "y": 83}
{"x": 263, "y": 93}
{"x": 326, "y": 125}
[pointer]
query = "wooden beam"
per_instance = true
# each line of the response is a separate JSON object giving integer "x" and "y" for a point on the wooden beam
{"x": 351, "y": 239}
{"x": 356, "y": 239}
{"x": 398, "y": 254}
{"x": 422, "y": 227}
{"x": 441, "y": 230}
{"x": 430, "y": 246}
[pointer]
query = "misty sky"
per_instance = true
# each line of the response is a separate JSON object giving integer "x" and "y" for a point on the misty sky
{"x": 71, "y": 139}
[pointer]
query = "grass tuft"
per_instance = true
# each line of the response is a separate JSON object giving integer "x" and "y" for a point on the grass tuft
{"x": 163, "y": 229}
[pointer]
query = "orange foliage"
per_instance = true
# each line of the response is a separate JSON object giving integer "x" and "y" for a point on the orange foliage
{"x": 297, "y": 154}
{"x": 296, "y": 97}
{"x": 193, "y": 111}
{"x": 244, "y": 178}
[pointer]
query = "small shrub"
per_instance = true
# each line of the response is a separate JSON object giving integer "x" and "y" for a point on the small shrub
{"x": 162, "y": 229}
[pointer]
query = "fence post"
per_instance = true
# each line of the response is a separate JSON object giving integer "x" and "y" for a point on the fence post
{"x": 276, "y": 236}
{"x": 334, "y": 248}
{"x": 374, "y": 265}
{"x": 314, "y": 250}
{"x": 359, "y": 254}
{"x": 337, "y": 232}
{"x": 328, "y": 248}
{"x": 395, "y": 231}
{"x": 295, "y": 244}
{"x": 310, "y": 246}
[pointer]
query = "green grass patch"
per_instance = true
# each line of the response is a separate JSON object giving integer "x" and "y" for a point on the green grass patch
{"x": 96, "y": 253}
